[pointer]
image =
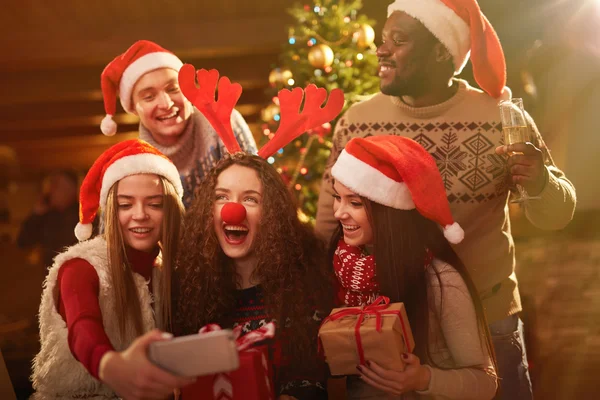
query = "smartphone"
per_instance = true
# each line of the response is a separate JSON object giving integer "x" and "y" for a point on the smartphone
{"x": 197, "y": 355}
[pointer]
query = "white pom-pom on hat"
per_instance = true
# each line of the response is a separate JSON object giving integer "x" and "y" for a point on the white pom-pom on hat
{"x": 454, "y": 233}
{"x": 83, "y": 231}
{"x": 108, "y": 126}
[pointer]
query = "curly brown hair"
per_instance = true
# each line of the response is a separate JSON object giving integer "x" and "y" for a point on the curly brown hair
{"x": 292, "y": 265}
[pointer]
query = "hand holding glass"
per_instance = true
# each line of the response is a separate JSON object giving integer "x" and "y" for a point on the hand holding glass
{"x": 515, "y": 130}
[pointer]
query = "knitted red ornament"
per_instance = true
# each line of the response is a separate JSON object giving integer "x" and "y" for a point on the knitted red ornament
{"x": 122, "y": 73}
{"x": 130, "y": 157}
{"x": 397, "y": 172}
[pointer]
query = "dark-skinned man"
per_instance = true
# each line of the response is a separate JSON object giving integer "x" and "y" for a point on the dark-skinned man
{"x": 424, "y": 45}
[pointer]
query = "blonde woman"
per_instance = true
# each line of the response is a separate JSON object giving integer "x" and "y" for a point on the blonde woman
{"x": 103, "y": 293}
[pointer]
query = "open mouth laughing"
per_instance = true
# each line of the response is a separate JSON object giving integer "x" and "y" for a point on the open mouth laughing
{"x": 235, "y": 234}
{"x": 350, "y": 228}
{"x": 386, "y": 67}
{"x": 140, "y": 232}
{"x": 172, "y": 115}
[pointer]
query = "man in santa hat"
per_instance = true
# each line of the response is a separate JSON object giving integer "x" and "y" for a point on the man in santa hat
{"x": 424, "y": 45}
{"x": 145, "y": 79}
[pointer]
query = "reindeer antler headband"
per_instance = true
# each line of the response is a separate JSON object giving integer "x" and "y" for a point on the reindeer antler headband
{"x": 293, "y": 122}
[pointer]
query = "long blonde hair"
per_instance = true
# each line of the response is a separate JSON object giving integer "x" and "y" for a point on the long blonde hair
{"x": 127, "y": 303}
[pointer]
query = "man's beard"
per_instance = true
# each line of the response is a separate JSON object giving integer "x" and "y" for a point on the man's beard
{"x": 403, "y": 87}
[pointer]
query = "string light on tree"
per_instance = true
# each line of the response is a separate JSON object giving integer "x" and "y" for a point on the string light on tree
{"x": 279, "y": 76}
{"x": 268, "y": 113}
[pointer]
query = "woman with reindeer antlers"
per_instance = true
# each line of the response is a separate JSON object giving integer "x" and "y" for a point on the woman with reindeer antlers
{"x": 248, "y": 259}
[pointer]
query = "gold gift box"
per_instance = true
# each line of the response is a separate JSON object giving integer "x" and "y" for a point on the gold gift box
{"x": 384, "y": 346}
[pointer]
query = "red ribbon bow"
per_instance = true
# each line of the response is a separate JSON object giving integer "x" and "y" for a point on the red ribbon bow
{"x": 243, "y": 342}
{"x": 377, "y": 308}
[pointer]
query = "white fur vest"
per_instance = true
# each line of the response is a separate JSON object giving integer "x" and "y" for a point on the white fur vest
{"x": 56, "y": 373}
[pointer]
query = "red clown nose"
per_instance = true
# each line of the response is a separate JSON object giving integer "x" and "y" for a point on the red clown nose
{"x": 233, "y": 213}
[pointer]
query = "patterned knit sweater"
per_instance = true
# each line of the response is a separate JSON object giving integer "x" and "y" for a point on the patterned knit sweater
{"x": 462, "y": 134}
{"x": 251, "y": 314}
{"x": 200, "y": 148}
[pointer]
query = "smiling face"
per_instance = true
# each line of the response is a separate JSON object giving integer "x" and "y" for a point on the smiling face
{"x": 404, "y": 55}
{"x": 161, "y": 106}
{"x": 140, "y": 201}
{"x": 241, "y": 185}
{"x": 349, "y": 209}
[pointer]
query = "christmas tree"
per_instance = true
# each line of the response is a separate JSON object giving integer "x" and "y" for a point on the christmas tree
{"x": 330, "y": 45}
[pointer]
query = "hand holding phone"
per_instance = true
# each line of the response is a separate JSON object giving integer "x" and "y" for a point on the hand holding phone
{"x": 197, "y": 355}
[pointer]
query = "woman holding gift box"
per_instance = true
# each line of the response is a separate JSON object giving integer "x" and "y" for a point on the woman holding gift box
{"x": 104, "y": 292}
{"x": 246, "y": 259}
{"x": 389, "y": 199}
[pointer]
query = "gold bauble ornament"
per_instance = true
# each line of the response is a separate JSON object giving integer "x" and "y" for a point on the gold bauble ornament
{"x": 279, "y": 76}
{"x": 364, "y": 35}
{"x": 320, "y": 56}
{"x": 269, "y": 112}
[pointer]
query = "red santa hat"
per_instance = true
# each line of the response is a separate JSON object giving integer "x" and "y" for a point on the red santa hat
{"x": 462, "y": 28}
{"x": 121, "y": 74}
{"x": 397, "y": 172}
{"x": 130, "y": 157}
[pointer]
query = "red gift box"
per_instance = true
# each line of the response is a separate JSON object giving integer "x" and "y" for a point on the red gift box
{"x": 253, "y": 380}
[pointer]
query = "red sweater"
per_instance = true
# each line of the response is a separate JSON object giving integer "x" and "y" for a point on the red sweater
{"x": 79, "y": 307}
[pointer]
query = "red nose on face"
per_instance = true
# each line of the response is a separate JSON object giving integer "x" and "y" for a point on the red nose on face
{"x": 233, "y": 213}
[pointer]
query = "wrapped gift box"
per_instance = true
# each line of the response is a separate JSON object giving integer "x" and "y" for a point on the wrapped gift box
{"x": 252, "y": 381}
{"x": 379, "y": 332}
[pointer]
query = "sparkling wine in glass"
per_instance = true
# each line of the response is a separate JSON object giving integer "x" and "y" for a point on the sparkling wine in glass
{"x": 515, "y": 130}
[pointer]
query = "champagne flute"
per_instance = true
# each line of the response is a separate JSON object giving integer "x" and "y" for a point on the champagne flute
{"x": 515, "y": 130}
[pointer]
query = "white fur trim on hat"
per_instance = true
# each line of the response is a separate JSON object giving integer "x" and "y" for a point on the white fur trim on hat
{"x": 141, "y": 66}
{"x": 83, "y": 231}
{"x": 368, "y": 182}
{"x": 454, "y": 233}
{"x": 139, "y": 164}
{"x": 450, "y": 29}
